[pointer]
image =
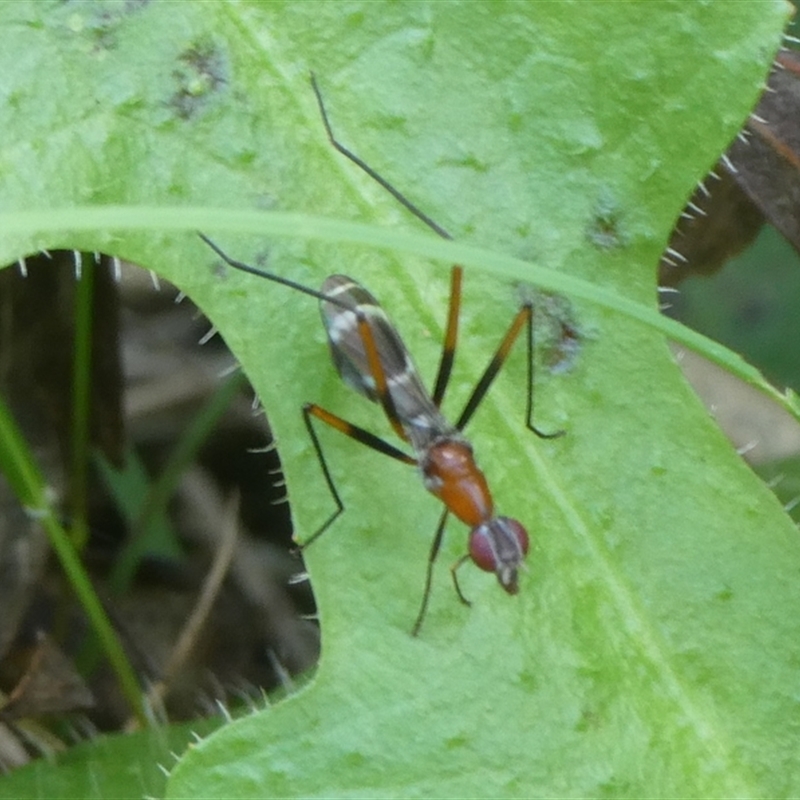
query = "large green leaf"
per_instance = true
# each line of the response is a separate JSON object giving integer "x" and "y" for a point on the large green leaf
{"x": 653, "y": 648}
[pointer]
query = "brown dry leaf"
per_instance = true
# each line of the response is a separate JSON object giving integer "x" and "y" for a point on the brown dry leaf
{"x": 50, "y": 685}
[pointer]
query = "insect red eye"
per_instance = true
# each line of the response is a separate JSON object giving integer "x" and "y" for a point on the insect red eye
{"x": 519, "y": 533}
{"x": 482, "y": 550}
{"x": 498, "y": 545}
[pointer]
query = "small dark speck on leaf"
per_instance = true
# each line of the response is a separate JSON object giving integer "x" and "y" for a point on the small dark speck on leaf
{"x": 605, "y": 230}
{"x": 200, "y": 72}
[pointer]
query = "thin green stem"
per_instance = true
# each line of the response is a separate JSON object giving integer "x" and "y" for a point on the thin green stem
{"x": 27, "y": 482}
{"x": 307, "y": 226}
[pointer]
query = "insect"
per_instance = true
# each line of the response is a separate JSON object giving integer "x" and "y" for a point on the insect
{"x": 372, "y": 359}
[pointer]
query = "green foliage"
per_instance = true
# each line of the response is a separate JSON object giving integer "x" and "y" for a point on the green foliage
{"x": 653, "y": 647}
{"x": 749, "y": 306}
{"x": 20, "y": 470}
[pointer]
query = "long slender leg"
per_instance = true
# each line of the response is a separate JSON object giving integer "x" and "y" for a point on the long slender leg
{"x": 426, "y": 592}
{"x": 354, "y": 432}
{"x": 361, "y": 164}
{"x": 450, "y": 336}
{"x": 453, "y": 571}
{"x": 523, "y": 317}
{"x": 270, "y": 276}
{"x": 364, "y": 327}
{"x": 379, "y": 374}
{"x": 529, "y": 403}
{"x": 451, "y": 332}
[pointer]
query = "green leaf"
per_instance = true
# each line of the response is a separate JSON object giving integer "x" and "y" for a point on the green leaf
{"x": 653, "y": 646}
{"x": 130, "y": 486}
{"x": 134, "y": 765}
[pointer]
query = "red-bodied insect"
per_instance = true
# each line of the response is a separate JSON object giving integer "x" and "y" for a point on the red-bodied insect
{"x": 371, "y": 358}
